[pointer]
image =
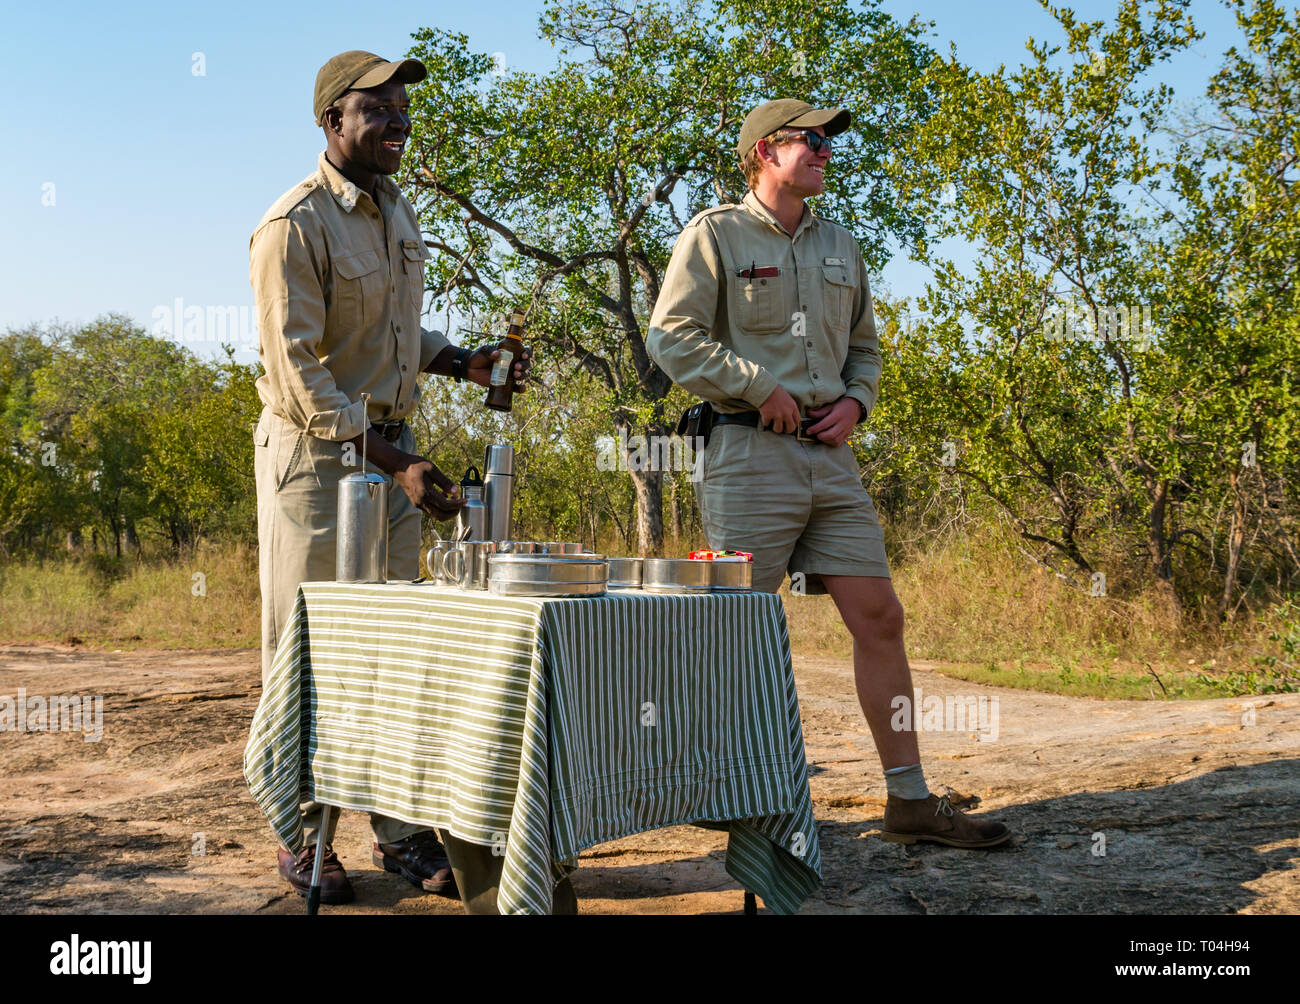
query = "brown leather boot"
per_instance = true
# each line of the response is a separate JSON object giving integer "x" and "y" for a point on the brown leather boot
{"x": 420, "y": 859}
{"x": 908, "y": 820}
{"x": 296, "y": 869}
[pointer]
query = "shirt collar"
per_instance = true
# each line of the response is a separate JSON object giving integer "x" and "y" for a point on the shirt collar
{"x": 345, "y": 193}
{"x": 761, "y": 211}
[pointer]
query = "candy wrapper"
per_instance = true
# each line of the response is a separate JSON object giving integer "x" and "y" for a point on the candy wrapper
{"x": 721, "y": 556}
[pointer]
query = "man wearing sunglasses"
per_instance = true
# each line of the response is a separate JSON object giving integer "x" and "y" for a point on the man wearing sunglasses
{"x": 765, "y": 313}
{"x": 337, "y": 267}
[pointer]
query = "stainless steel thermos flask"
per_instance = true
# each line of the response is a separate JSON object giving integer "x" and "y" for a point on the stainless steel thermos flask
{"x": 499, "y": 490}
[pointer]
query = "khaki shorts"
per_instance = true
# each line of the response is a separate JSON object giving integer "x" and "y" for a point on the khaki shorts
{"x": 799, "y": 507}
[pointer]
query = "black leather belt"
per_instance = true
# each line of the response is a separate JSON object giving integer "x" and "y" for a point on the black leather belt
{"x": 392, "y": 431}
{"x": 752, "y": 418}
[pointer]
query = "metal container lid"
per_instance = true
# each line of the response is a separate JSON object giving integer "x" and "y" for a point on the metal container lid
{"x": 500, "y": 459}
{"x": 364, "y": 477}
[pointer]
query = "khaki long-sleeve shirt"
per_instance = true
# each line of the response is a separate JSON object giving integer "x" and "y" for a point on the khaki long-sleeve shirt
{"x": 745, "y": 307}
{"x": 339, "y": 282}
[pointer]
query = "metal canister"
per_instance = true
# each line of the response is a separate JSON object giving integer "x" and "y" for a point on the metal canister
{"x": 499, "y": 490}
{"x": 625, "y": 573}
{"x": 676, "y": 575}
{"x": 361, "y": 551}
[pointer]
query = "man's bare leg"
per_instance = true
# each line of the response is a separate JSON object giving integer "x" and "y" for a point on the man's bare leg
{"x": 874, "y": 616}
{"x": 871, "y": 611}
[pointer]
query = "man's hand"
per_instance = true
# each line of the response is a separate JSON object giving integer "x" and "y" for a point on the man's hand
{"x": 780, "y": 411}
{"x": 479, "y": 367}
{"x": 421, "y": 480}
{"x": 837, "y": 420}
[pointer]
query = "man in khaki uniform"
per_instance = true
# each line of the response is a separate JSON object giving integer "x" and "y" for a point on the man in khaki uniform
{"x": 337, "y": 268}
{"x": 765, "y": 313}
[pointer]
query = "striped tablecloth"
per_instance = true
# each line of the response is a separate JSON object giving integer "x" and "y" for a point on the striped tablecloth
{"x": 540, "y": 727}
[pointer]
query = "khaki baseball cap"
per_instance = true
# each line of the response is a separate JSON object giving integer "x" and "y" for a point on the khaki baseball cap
{"x": 355, "y": 71}
{"x": 768, "y": 118}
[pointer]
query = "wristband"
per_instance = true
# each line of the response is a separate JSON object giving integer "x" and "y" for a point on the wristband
{"x": 459, "y": 362}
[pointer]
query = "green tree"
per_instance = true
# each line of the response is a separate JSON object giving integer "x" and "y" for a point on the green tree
{"x": 1225, "y": 277}
{"x": 1030, "y": 370}
{"x": 565, "y": 190}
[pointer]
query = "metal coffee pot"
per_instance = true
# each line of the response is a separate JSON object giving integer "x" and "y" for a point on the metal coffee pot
{"x": 361, "y": 549}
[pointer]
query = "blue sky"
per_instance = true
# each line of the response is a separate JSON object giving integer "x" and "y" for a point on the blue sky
{"x": 157, "y": 176}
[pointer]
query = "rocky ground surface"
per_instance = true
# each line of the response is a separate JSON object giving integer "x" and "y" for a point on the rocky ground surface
{"x": 1196, "y": 805}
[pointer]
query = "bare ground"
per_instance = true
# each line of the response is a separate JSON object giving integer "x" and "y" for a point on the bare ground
{"x": 1199, "y": 809}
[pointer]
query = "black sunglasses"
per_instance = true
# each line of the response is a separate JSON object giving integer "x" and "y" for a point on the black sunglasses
{"x": 816, "y": 142}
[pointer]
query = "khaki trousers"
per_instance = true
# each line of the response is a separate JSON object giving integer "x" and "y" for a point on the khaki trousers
{"x": 297, "y": 510}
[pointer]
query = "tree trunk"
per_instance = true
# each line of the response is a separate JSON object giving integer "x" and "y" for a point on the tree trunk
{"x": 1158, "y": 546}
{"x": 649, "y": 511}
{"x": 675, "y": 497}
{"x": 1236, "y": 537}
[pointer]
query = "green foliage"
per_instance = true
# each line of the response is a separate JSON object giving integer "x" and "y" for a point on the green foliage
{"x": 1170, "y": 439}
{"x": 116, "y": 435}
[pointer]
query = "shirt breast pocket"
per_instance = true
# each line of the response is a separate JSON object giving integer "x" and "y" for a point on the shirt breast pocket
{"x": 760, "y": 305}
{"x": 358, "y": 289}
{"x": 414, "y": 255}
{"x": 838, "y": 292}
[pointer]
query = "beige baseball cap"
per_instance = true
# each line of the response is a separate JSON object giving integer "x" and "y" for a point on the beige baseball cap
{"x": 356, "y": 70}
{"x": 768, "y": 118}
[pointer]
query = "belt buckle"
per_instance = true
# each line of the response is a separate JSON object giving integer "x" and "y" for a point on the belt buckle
{"x": 801, "y": 433}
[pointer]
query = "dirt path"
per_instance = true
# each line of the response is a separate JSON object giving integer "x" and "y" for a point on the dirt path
{"x": 1199, "y": 808}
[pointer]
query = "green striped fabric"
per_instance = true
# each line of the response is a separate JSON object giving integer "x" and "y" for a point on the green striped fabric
{"x": 541, "y": 727}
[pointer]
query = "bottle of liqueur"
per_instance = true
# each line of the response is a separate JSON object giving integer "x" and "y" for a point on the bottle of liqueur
{"x": 501, "y": 384}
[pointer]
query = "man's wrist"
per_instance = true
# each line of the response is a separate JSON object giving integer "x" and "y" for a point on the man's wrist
{"x": 460, "y": 363}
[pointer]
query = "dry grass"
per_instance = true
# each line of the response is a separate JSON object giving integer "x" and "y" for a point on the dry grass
{"x": 157, "y": 603}
{"x": 973, "y": 604}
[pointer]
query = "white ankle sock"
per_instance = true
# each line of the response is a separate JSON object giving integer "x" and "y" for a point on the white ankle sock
{"x": 906, "y": 782}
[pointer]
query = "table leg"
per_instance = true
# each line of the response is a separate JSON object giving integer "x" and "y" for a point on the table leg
{"x": 751, "y": 905}
{"x": 478, "y": 874}
{"x": 313, "y": 894}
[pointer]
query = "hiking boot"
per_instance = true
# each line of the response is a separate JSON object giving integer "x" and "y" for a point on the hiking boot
{"x": 296, "y": 869}
{"x": 908, "y": 820}
{"x": 420, "y": 859}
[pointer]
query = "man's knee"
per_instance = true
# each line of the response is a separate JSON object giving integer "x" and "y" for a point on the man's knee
{"x": 877, "y": 619}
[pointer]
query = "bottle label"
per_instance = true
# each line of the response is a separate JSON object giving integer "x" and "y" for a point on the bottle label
{"x": 501, "y": 369}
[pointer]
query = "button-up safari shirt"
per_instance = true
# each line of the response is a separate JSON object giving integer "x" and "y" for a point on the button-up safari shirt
{"x": 339, "y": 282}
{"x": 745, "y": 307}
